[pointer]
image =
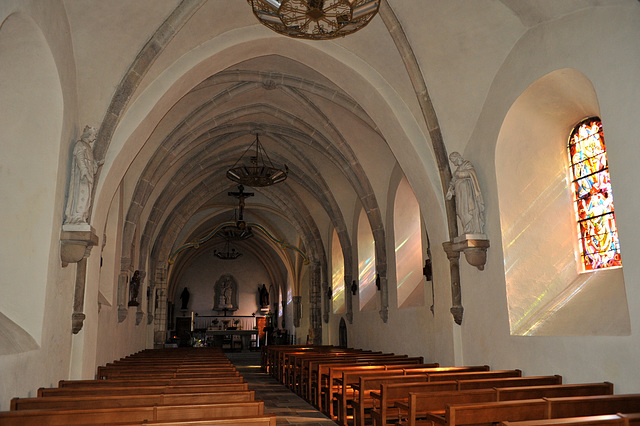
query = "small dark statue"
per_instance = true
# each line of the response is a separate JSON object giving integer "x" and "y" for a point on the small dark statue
{"x": 264, "y": 296}
{"x": 134, "y": 289}
{"x": 184, "y": 298}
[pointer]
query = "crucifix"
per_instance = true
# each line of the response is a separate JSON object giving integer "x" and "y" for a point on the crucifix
{"x": 240, "y": 195}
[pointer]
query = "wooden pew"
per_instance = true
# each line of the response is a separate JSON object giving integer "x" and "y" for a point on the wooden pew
{"x": 139, "y": 390}
{"x": 537, "y": 409}
{"x": 130, "y": 414}
{"x": 389, "y": 394}
{"x": 264, "y": 420}
{"x": 151, "y": 382}
{"x": 362, "y": 400}
{"x": 604, "y": 419}
{"x": 384, "y": 401}
{"x": 351, "y": 380}
{"x": 114, "y": 401}
{"x": 423, "y": 404}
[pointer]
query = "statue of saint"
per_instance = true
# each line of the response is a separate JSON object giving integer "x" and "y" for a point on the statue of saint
{"x": 134, "y": 289}
{"x": 264, "y": 296}
{"x": 83, "y": 170}
{"x": 184, "y": 298}
{"x": 469, "y": 202}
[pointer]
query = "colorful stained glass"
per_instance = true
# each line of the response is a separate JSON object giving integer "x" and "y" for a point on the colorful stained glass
{"x": 599, "y": 243}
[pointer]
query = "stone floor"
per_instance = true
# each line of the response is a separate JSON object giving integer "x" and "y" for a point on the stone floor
{"x": 279, "y": 400}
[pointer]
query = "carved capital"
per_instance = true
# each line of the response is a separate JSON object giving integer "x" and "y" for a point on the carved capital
{"x": 149, "y": 318}
{"x": 77, "y": 321}
{"x": 76, "y": 242}
{"x": 139, "y": 316}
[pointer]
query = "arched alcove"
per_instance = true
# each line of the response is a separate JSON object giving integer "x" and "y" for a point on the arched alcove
{"x": 337, "y": 275}
{"x": 366, "y": 264}
{"x": 408, "y": 246}
{"x": 30, "y": 89}
{"x": 546, "y": 294}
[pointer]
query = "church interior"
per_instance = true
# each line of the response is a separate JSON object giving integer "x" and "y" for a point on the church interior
{"x": 175, "y": 169}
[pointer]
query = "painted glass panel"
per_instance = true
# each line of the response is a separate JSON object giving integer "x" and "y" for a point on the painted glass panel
{"x": 593, "y": 197}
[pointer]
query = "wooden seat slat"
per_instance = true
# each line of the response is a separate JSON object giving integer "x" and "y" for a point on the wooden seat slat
{"x": 130, "y": 414}
{"x": 137, "y": 390}
{"x": 113, "y": 401}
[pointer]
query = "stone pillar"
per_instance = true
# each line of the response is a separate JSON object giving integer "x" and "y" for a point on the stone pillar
{"x": 297, "y": 310}
{"x": 315, "y": 296}
{"x": 123, "y": 295}
{"x": 160, "y": 317}
{"x": 348, "y": 297}
{"x": 76, "y": 242}
{"x": 456, "y": 294}
{"x": 383, "y": 288}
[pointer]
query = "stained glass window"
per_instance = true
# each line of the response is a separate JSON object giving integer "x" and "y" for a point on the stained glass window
{"x": 593, "y": 199}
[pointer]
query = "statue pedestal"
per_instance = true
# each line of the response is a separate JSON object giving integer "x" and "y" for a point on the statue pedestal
{"x": 474, "y": 247}
{"x": 76, "y": 242}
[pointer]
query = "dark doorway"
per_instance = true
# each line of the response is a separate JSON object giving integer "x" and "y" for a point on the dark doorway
{"x": 342, "y": 333}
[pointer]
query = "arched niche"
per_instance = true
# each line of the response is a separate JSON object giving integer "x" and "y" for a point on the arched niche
{"x": 546, "y": 293}
{"x": 31, "y": 123}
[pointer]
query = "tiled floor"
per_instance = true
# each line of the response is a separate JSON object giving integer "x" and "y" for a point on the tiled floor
{"x": 289, "y": 407}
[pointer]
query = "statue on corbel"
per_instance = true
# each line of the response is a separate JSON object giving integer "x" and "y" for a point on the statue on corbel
{"x": 465, "y": 187}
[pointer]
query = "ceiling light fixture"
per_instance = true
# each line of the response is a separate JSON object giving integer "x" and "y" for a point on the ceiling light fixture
{"x": 315, "y": 19}
{"x": 261, "y": 171}
{"x": 228, "y": 253}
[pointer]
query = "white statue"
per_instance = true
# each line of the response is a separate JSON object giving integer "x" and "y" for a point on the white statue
{"x": 83, "y": 171}
{"x": 469, "y": 202}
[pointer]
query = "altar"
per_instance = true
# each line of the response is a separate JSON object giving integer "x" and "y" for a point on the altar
{"x": 220, "y": 337}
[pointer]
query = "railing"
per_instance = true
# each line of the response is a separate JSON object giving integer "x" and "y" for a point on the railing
{"x": 222, "y": 322}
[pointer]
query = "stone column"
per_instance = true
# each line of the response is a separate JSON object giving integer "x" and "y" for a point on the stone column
{"x": 297, "y": 310}
{"x": 456, "y": 294}
{"x": 315, "y": 296}
{"x": 160, "y": 314}
{"x": 123, "y": 295}
{"x": 76, "y": 242}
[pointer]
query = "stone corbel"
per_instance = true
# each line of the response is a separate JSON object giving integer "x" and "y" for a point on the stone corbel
{"x": 76, "y": 242}
{"x": 474, "y": 247}
{"x": 139, "y": 316}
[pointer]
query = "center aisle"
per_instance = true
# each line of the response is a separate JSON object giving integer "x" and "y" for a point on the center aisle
{"x": 278, "y": 400}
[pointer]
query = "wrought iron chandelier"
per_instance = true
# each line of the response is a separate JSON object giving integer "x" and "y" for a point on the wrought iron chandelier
{"x": 228, "y": 253}
{"x": 261, "y": 171}
{"x": 315, "y": 19}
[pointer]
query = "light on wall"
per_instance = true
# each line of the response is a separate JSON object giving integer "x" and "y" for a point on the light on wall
{"x": 315, "y": 19}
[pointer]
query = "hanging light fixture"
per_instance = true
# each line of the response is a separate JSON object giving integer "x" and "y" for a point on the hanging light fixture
{"x": 228, "y": 253}
{"x": 315, "y": 19}
{"x": 261, "y": 171}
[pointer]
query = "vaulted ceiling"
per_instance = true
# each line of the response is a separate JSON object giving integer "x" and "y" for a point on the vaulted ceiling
{"x": 188, "y": 85}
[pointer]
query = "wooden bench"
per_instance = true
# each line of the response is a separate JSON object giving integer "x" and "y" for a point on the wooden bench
{"x": 139, "y": 390}
{"x": 265, "y": 420}
{"x": 151, "y": 382}
{"x": 384, "y": 400}
{"x": 362, "y": 400}
{"x": 130, "y": 414}
{"x": 113, "y": 401}
{"x": 537, "y": 409}
{"x": 603, "y": 419}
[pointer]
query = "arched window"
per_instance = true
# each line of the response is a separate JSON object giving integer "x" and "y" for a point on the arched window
{"x": 337, "y": 275}
{"x": 408, "y": 247}
{"x": 593, "y": 200}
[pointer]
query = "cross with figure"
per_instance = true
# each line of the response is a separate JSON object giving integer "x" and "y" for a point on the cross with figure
{"x": 240, "y": 195}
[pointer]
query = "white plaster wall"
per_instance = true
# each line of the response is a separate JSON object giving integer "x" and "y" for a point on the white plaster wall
{"x": 599, "y": 44}
{"x": 39, "y": 96}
